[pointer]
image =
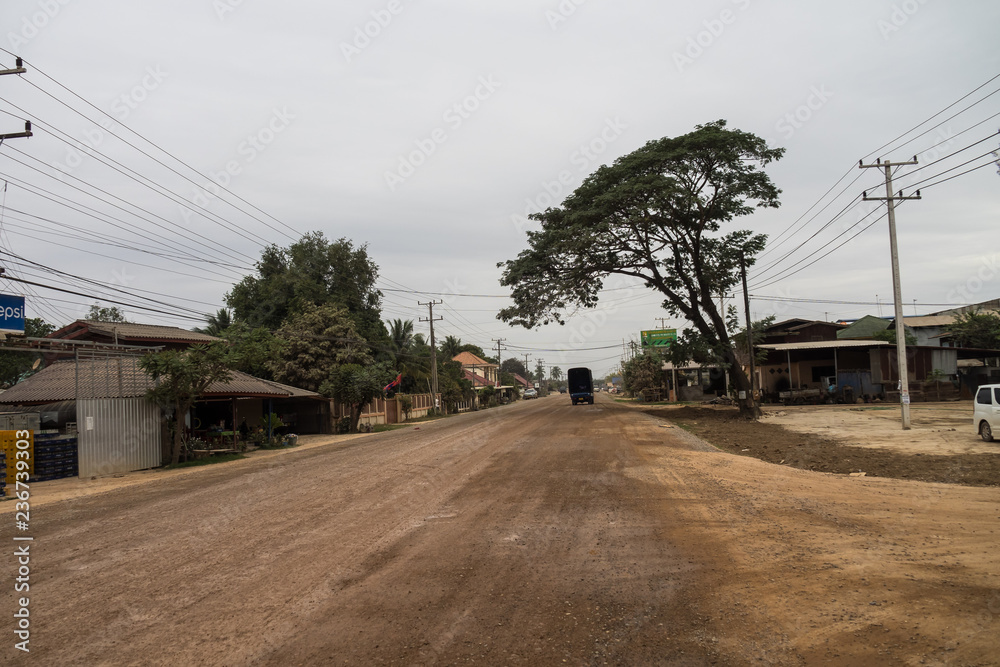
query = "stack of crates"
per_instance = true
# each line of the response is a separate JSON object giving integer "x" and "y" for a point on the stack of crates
{"x": 55, "y": 456}
{"x": 8, "y": 443}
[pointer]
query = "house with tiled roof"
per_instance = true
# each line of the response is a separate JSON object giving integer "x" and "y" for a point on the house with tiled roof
{"x": 477, "y": 370}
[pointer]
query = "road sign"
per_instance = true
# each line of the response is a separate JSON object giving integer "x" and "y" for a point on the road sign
{"x": 11, "y": 314}
{"x": 659, "y": 338}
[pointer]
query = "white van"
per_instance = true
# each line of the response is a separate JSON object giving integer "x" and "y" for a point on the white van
{"x": 986, "y": 411}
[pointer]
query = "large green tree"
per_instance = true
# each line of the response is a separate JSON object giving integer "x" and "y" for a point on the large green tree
{"x": 16, "y": 365}
{"x": 181, "y": 377}
{"x": 514, "y": 366}
{"x": 643, "y": 374}
{"x": 312, "y": 272}
{"x": 98, "y": 313}
{"x": 252, "y": 351}
{"x": 313, "y": 343}
{"x": 655, "y": 215}
{"x": 977, "y": 329}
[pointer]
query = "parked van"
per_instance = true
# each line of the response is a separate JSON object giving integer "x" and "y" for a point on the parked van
{"x": 986, "y": 411}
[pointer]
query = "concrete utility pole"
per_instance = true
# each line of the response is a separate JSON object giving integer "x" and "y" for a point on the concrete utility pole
{"x": 499, "y": 342}
{"x": 752, "y": 398}
{"x": 662, "y": 321}
{"x": 897, "y": 292}
{"x": 527, "y": 371}
{"x": 434, "y": 367}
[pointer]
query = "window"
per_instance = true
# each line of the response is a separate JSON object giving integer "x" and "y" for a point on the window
{"x": 983, "y": 396}
{"x": 819, "y": 372}
{"x": 996, "y": 395}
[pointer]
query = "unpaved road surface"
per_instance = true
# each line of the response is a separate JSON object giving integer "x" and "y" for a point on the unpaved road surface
{"x": 536, "y": 534}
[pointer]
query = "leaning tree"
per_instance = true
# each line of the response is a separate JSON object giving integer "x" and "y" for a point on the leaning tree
{"x": 656, "y": 215}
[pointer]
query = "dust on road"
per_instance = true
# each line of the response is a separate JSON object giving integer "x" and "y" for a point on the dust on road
{"x": 540, "y": 533}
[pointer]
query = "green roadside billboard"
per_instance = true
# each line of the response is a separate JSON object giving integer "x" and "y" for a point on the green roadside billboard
{"x": 661, "y": 338}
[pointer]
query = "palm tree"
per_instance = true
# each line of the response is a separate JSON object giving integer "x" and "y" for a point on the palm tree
{"x": 556, "y": 373}
{"x": 401, "y": 338}
{"x": 217, "y": 323}
{"x": 451, "y": 347}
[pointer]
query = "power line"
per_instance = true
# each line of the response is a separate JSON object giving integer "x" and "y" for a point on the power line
{"x": 151, "y": 143}
{"x": 91, "y": 296}
{"x": 125, "y": 210}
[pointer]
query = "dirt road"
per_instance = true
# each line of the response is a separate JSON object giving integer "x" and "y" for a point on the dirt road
{"x": 539, "y": 533}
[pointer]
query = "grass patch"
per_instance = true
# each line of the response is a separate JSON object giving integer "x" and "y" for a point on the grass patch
{"x": 382, "y": 428}
{"x": 207, "y": 461}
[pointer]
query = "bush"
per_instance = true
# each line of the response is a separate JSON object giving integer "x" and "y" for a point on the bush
{"x": 343, "y": 425}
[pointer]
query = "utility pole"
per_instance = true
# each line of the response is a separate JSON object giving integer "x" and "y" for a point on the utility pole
{"x": 752, "y": 398}
{"x": 527, "y": 371}
{"x": 499, "y": 342}
{"x": 434, "y": 367}
{"x": 722, "y": 314}
{"x": 662, "y": 321}
{"x": 897, "y": 292}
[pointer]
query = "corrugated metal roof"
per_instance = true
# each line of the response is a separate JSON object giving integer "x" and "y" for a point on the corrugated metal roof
{"x": 130, "y": 331}
{"x": 147, "y": 331}
{"x": 929, "y": 321}
{"x": 58, "y": 383}
{"x": 241, "y": 384}
{"x": 295, "y": 392}
{"x": 823, "y": 344}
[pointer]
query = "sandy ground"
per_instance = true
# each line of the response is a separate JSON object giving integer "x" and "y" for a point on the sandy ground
{"x": 537, "y": 534}
{"x": 935, "y": 428}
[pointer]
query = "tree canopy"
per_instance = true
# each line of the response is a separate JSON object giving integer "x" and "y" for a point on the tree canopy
{"x": 655, "y": 215}
{"x": 181, "y": 377}
{"x": 977, "y": 330}
{"x": 356, "y": 385}
{"x": 312, "y": 272}
{"x": 98, "y": 313}
{"x": 313, "y": 343}
{"x": 16, "y": 365}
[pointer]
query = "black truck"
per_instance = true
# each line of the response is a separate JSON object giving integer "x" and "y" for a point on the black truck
{"x": 581, "y": 385}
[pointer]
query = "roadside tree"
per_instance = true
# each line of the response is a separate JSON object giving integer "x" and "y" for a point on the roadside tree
{"x": 357, "y": 385}
{"x": 977, "y": 329}
{"x": 313, "y": 343}
{"x": 312, "y": 272}
{"x": 181, "y": 377}
{"x": 656, "y": 216}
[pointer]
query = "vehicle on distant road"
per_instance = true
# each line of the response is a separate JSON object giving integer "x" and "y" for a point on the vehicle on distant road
{"x": 986, "y": 411}
{"x": 581, "y": 385}
{"x": 530, "y": 393}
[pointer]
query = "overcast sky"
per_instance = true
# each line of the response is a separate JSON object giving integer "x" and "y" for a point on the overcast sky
{"x": 427, "y": 129}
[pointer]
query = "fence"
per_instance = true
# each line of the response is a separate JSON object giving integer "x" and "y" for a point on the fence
{"x": 386, "y": 411}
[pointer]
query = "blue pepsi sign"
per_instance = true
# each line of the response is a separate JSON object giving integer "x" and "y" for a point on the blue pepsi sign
{"x": 11, "y": 314}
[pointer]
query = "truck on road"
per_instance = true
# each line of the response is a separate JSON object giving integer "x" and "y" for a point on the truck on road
{"x": 581, "y": 385}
